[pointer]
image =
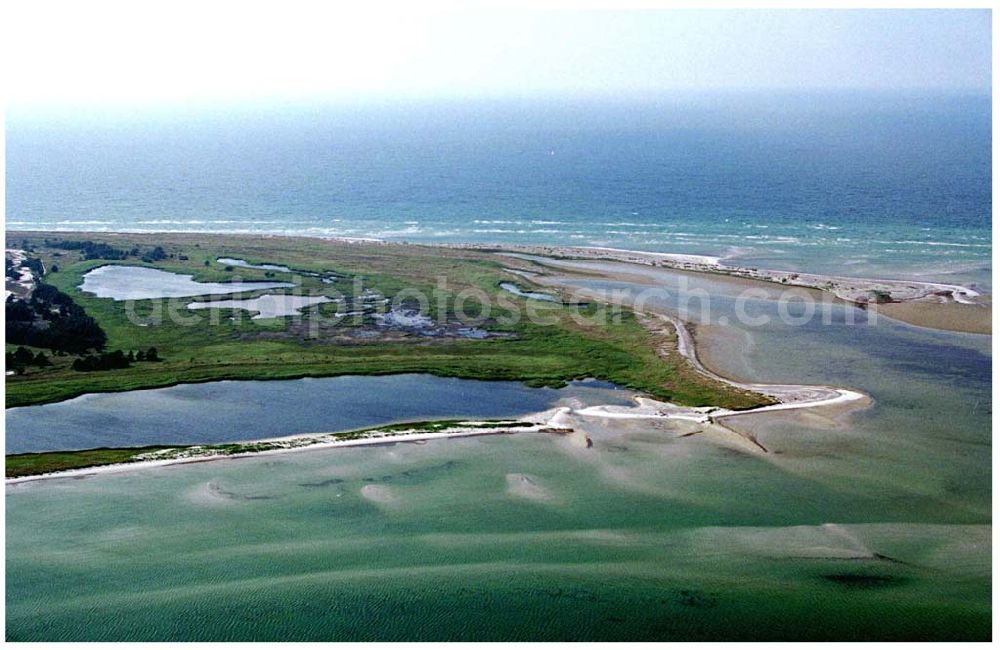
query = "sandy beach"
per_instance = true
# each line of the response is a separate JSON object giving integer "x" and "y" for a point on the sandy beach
{"x": 295, "y": 443}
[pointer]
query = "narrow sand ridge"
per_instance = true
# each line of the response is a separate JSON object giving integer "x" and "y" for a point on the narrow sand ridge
{"x": 851, "y": 289}
{"x": 936, "y": 305}
{"x": 788, "y": 396}
{"x": 293, "y": 443}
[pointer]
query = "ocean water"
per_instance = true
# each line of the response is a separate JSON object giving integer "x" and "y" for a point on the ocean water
{"x": 873, "y": 525}
{"x": 853, "y": 184}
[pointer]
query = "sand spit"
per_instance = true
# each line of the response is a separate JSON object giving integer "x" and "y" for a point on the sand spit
{"x": 787, "y": 397}
{"x": 553, "y": 421}
{"x": 926, "y": 304}
{"x": 538, "y": 423}
{"x": 848, "y": 288}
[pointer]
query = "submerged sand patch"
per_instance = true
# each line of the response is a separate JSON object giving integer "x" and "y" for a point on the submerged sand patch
{"x": 951, "y": 316}
{"x": 379, "y": 495}
{"x": 525, "y": 486}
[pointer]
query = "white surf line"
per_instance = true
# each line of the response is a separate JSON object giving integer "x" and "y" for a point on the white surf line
{"x": 682, "y": 258}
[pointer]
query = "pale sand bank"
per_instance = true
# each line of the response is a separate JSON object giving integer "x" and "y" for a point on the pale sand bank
{"x": 298, "y": 442}
{"x": 924, "y": 304}
{"x": 951, "y": 316}
{"x": 848, "y": 288}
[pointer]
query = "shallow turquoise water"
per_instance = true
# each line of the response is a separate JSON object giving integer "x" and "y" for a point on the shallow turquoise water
{"x": 873, "y": 527}
{"x": 616, "y": 545}
{"x": 877, "y": 526}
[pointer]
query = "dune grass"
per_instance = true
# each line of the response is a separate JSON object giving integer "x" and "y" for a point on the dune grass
{"x": 35, "y": 464}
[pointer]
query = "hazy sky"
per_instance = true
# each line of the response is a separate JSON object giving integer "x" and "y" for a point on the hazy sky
{"x": 139, "y": 52}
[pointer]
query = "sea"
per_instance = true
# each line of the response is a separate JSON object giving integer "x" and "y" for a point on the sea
{"x": 870, "y": 524}
{"x": 856, "y": 184}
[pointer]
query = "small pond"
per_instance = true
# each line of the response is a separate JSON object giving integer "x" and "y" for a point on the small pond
{"x": 231, "y": 261}
{"x": 272, "y": 305}
{"x": 121, "y": 282}
{"x": 326, "y": 277}
{"x": 534, "y": 295}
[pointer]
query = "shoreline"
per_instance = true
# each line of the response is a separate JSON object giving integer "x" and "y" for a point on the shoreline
{"x": 851, "y": 289}
{"x": 551, "y": 421}
{"x": 309, "y": 442}
{"x": 785, "y": 396}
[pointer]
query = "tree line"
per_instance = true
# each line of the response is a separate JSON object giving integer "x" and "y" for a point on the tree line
{"x": 22, "y": 357}
{"x": 114, "y": 360}
{"x": 92, "y": 250}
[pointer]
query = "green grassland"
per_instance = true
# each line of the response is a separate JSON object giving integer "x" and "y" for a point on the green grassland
{"x": 19, "y": 465}
{"x": 212, "y": 347}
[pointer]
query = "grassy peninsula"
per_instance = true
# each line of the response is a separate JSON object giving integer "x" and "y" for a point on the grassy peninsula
{"x": 214, "y": 344}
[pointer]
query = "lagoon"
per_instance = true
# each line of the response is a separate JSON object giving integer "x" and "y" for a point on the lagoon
{"x": 231, "y": 261}
{"x": 230, "y": 411}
